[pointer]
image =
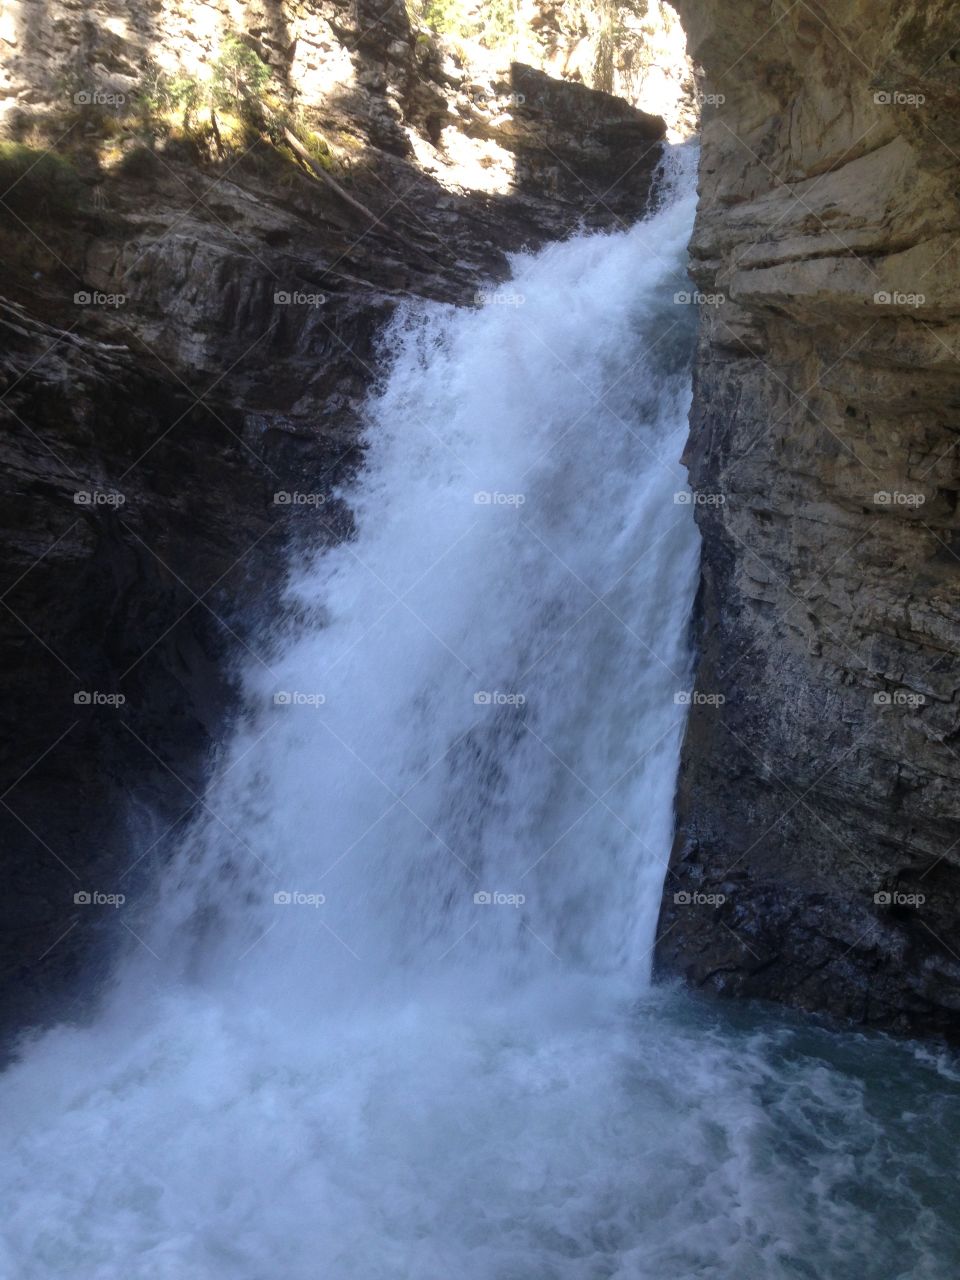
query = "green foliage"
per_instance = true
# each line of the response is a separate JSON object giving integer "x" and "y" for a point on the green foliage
{"x": 240, "y": 78}
{"x": 162, "y": 95}
{"x": 228, "y": 110}
{"x": 493, "y": 22}
{"x": 442, "y": 16}
{"x": 238, "y": 84}
{"x": 37, "y": 181}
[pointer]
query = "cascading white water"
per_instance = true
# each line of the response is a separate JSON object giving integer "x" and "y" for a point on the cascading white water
{"x": 391, "y": 1014}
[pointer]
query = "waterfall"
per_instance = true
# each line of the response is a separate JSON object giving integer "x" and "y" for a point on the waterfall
{"x": 459, "y": 759}
{"x": 388, "y": 1013}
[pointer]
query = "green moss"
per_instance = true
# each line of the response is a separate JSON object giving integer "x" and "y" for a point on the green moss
{"x": 319, "y": 149}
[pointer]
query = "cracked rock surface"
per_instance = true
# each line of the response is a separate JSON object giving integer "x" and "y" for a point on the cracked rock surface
{"x": 818, "y": 794}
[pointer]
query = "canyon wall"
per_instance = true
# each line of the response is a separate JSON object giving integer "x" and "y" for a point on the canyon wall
{"x": 190, "y": 309}
{"x": 193, "y": 283}
{"x": 817, "y": 855}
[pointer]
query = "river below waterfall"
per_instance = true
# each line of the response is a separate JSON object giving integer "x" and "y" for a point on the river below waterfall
{"x": 388, "y": 1014}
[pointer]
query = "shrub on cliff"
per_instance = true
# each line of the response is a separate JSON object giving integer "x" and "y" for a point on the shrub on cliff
{"x": 35, "y": 181}
{"x": 493, "y": 22}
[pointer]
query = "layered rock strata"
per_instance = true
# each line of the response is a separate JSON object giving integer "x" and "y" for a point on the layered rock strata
{"x": 817, "y": 855}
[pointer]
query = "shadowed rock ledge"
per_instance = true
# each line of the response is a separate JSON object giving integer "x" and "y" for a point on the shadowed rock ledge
{"x": 818, "y": 800}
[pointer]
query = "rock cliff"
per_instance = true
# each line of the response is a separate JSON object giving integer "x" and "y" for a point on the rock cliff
{"x": 209, "y": 210}
{"x": 207, "y": 213}
{"x": 817, "y": 856}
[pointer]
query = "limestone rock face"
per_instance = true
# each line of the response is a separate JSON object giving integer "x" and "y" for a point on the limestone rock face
{"x": 186, "y": 338}
{"x": 817, "y": 853}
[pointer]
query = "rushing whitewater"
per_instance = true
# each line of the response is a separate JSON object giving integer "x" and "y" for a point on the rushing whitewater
{"x": 388, "y": 1015}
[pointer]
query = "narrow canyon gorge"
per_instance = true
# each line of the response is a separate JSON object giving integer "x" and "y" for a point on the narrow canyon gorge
{"x": 481, "y": 638}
